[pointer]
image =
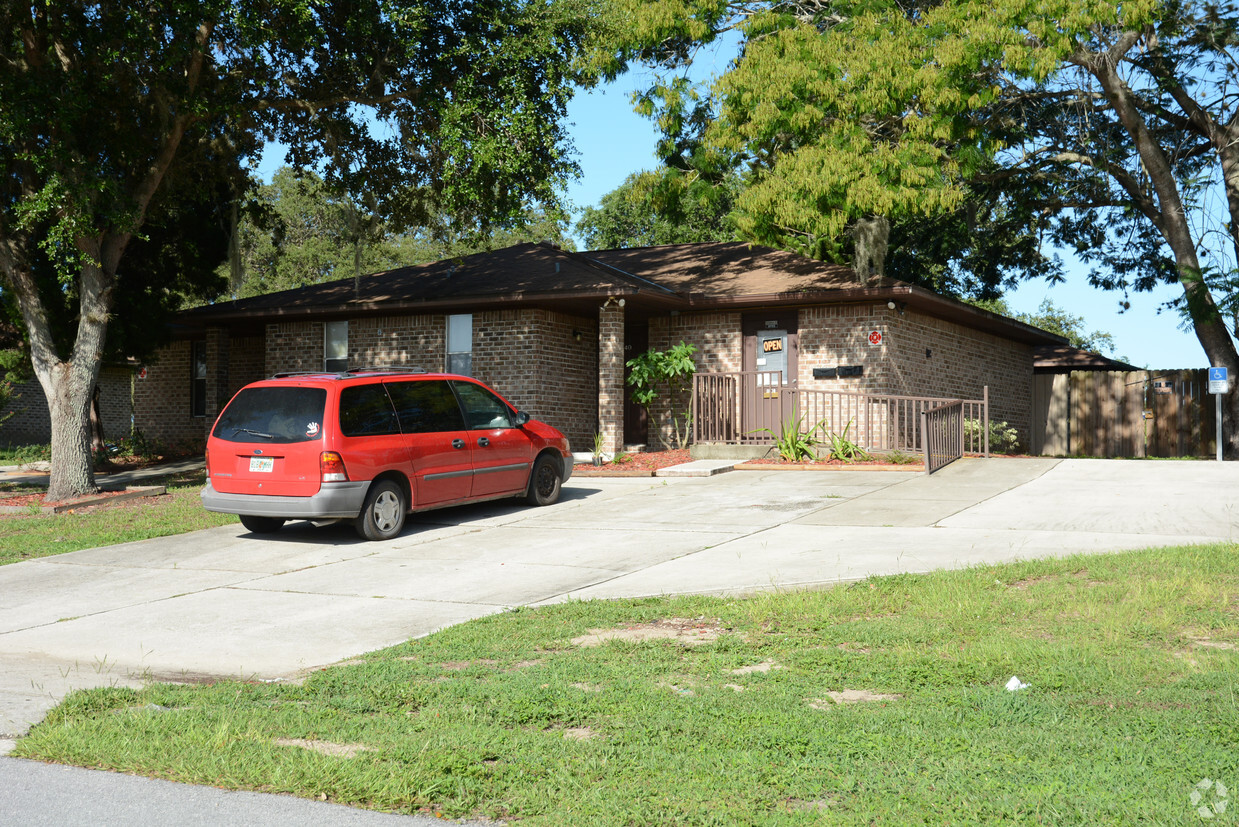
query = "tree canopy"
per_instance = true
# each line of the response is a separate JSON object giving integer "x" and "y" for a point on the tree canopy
{"x": 417, "y": 110}
{"x": 295, "y": 231}
{"x": 661, "y": 207}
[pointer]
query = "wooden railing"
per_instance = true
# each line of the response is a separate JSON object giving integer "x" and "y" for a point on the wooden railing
{"x": 943, "y": 429}
{"x": 753, "y": 408}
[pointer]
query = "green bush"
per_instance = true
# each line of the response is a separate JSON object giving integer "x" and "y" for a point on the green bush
{"x": 671, "y": 370}
{"x": 1003, "y": 438}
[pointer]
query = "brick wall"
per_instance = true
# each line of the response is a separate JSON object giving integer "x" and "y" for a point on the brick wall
{"x": 32, "y": 424}
{"x": 960, "y": 361}
{"x": 405, "y": 341}
{"x": 162, "y": 399}
{"x": 293, "y": 346}
{"x": 530, "y": 356}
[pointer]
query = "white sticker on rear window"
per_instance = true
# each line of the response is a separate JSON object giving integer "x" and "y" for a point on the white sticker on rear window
{"x": 311, "y": 430}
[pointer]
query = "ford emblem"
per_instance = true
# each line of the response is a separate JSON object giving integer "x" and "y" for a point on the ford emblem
{"x": 257, "y": 450}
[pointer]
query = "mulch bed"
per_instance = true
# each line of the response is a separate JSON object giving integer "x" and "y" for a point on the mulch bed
{"x": 27, "y": 502}
{"x": 646, "y": 463}
{"x": 770, "y": 463}
{"x": 643, "y": 464}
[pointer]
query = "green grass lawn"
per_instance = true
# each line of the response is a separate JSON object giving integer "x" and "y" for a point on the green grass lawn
{"x": 28, "y": 536}
{"x": 741, "y": 713}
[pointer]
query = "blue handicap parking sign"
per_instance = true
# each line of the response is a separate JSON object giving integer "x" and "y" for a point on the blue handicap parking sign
{"x": 1218, "y": 375}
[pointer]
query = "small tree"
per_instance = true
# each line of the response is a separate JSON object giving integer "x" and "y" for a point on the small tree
{"x": 673, "y": 371}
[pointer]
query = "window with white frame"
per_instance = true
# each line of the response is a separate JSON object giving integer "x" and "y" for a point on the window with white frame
{"x": 460, "y": 344}
{"x": 335, "y": 346}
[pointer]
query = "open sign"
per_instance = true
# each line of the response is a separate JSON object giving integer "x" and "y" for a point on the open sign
{"x": 771, "y": 345}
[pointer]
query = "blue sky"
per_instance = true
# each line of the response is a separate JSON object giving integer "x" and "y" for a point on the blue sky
{"x": 613, "y": 141}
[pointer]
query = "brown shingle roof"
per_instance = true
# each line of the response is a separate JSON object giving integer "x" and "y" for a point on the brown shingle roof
{"x": 1066, "y": 358}
{"x": 511, "y": 272}
{"x": 733, "y": 269}
{"x": 654, "y": 280}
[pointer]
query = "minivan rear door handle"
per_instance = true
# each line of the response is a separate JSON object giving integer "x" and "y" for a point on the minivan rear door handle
{"x": 483, "y": 441}
{"x": 458, "y": 443}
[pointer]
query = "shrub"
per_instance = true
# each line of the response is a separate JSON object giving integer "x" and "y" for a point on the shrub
{"x": 672, "y": 370}
{"x": 1003, "y": 438}
{"x": 845, "y": 449}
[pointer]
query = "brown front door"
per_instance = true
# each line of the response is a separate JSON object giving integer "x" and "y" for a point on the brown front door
{"x": 636, "y": 425}
{"x": 771, "y": 350}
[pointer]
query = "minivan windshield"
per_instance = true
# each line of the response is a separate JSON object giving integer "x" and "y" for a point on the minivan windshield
{"x": 277, "y": 415}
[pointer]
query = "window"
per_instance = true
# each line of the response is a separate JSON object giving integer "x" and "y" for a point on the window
{"x": 483, "y": 410}
{"x": 279, "y": 415}
{"x": 425, "y": 407}
{"x": 365, "y": 410}
{"x": 460, "y": 344}
{"x": 197, "y": 379}
{"x": 335, "y": 346}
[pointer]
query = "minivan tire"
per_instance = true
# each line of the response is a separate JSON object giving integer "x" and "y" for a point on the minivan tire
{"x": 382, "y": 516}
{"x": 544, "y": 482}
{"x": 261, "y": 525}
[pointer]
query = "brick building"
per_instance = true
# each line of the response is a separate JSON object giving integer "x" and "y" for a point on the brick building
{"x": 31, "y": 422}
{"x": 552, "y": 329}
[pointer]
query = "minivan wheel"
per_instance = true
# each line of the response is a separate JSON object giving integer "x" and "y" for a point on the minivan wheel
{"x": 382, "y": 517}
{"x": 543, "y": 483}
{"x": 261, "y": 525}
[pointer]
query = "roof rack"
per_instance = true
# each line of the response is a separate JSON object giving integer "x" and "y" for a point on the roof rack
{"x": 291, "y": 373}
{"x": 345, "y": 374}
{"x": 382, "y": 369}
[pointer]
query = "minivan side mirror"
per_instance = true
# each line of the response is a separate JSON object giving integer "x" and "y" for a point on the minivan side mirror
{"x": 521, "y": 419}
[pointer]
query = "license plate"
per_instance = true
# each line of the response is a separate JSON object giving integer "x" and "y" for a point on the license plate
{"x": 262, "y": 464}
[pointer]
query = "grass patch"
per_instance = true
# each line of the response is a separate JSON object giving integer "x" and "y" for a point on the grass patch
{"x": 28, "y": 536}
{"x": 877, "y": 702}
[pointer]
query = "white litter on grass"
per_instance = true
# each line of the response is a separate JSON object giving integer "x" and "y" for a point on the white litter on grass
{"x": 1015, "y": 684}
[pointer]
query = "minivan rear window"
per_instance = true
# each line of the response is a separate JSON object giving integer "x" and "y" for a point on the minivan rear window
{"x": 276, "y": 415}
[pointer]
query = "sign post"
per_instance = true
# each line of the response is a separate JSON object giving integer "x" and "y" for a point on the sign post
{"x": 1219, "y": 384}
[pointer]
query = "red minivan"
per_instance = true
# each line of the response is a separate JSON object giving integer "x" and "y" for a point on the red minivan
{"x": 371, "y": 445}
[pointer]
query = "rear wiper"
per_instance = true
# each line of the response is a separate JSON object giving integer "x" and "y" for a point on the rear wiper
{"x": 236, "y": 431}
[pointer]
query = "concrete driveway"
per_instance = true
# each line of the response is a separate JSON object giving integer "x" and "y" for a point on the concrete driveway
{"x": 222, "y": 602}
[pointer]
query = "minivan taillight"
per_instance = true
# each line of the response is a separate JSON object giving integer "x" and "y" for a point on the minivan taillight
{"x": 331, "y": 467}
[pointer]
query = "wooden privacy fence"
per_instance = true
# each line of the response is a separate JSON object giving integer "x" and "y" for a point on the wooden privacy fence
{"x": 943, "y": 428}
{"x": 752, "y": 408}
{"x": 1134, "y": 413}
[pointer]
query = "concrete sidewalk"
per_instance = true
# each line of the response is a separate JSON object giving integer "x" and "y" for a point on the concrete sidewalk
{"x": 222, "y": 602}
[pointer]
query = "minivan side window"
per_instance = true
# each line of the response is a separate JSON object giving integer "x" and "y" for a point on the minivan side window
{"x": 279, "y": 415}
{"x": 426, "y": 406}
{"x": 483, "y": 410}
{"x": 365, "y": 410}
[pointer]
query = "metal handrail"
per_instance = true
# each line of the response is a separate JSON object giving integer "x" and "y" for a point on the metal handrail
{"x": 753, "y": 408}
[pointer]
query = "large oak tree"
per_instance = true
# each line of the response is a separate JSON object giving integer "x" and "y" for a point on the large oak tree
{"x": 1110, "y": 128}
{"x": 419, "y": 109}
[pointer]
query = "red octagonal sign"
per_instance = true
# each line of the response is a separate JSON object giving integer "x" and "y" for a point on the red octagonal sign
{"x": 875, "y": 337}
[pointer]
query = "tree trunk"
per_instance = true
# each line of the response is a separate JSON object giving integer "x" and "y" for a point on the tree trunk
{"x": 68, "y": 390}
{"x": 98, "y": 439}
